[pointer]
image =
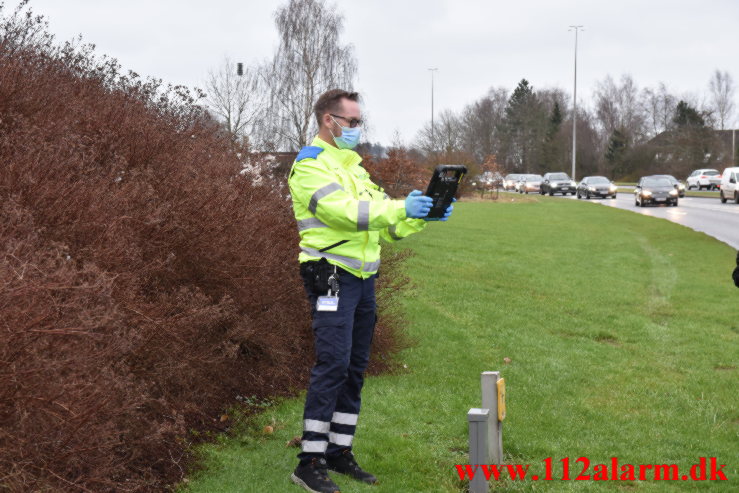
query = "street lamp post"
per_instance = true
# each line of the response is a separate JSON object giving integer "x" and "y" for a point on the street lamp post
{"x": 574, "y": 106}
{"x": 433, "y": 140}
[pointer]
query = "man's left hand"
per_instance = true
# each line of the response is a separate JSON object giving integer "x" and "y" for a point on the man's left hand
{"x": 447, "y": 213}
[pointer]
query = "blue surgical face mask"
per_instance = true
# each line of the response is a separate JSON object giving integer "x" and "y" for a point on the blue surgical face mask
{"x": 349, "y": 137}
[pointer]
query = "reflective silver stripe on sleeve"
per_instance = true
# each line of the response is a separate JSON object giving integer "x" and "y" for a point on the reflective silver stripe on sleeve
{"x": 311, "y": 222}
{"x": 371, "y": 266}
{"x": 320, "y": 193}
{"x": 316, "y": 426}
{"x": 314, "y": 447}
{"x": 363, "y": 211}
{"x": 391, "y": 232}
{"x": 340, "y": 439}
{"x": 350, "y": 262}
{"x": 345, "y": 419}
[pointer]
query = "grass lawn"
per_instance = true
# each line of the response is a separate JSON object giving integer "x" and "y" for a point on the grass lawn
{"x": 621, "y": 344}
{"x": 695, "y": 193}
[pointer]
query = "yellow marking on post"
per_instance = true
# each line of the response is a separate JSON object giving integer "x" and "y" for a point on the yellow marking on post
{"x": 501, "y": 399}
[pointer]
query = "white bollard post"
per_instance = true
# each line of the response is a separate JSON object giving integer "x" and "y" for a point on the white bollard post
{"x": 478, "y": 422}
{"x": 489, "y": 383}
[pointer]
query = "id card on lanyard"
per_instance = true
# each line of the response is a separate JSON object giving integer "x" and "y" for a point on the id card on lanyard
{"x": 330, "y": 303}
{"x": 327, "y": 303}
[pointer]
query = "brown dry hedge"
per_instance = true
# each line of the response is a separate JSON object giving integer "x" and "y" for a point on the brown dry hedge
{"x": 146, "y": 285}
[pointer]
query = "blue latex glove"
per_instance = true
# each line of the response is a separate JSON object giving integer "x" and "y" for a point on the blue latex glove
{"x": 447, "y": 213}
{"x": 417, "y": 205}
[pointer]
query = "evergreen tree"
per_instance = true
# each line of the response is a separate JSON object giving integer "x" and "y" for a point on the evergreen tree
{"x": 553, "y": 146}
{"x": 692, "y": 141}
{"x": 616, "y": 149}
{"x": 524, "y": 129}
{"x": 687, "y": 116}
{"x": 555, "y": 121}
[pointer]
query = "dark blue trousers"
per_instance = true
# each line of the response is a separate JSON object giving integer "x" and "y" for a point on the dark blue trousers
{"x": 342, "y": 345}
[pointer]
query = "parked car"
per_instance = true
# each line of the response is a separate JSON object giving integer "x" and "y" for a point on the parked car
{"x": 679, "y": 186}
{"x": 730, "y": 185}
{"x": 558, "y": 183}
{"x": 529, "y": 183}
{"x": 596, "y": 186}
{"x": 509, "y": 182}
{"x": 652, "y": 190}
{"x": 709, "y": 179}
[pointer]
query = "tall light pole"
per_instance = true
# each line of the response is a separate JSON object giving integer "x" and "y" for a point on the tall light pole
{"x": 574, "y": 106}
{"x": 433, "y": 140}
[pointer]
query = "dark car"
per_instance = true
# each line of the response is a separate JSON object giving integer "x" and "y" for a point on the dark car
{"x": 655, "y": 190}
{"x": 679, "y": 186}
{"x": 558, "y": 183}
{"x": 596, "y": 186}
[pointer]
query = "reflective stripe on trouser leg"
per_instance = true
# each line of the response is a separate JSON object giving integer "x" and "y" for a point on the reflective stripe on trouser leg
{"x": 345, "y": 418}
{"x": 315, "y": 436}
{"x": 313, "y": 446}
{"x": 341, "y": 439}
{"x": 316, "y": 426}
{"x": 343, "y": 426}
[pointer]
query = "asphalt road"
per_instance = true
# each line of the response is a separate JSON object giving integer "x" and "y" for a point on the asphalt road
{"x": 706, "y": 215}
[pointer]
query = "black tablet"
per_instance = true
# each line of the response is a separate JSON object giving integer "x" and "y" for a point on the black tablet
{"x": 443, "y": 187}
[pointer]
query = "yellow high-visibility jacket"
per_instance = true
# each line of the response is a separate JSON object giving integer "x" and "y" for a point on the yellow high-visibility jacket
{"x": 341, "y": 214}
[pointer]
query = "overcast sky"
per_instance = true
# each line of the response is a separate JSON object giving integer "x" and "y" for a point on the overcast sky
{"x": 476, "y": 44}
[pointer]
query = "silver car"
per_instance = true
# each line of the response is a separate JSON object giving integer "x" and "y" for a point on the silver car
{"x": 509, "y": 182}
{"x": 529, "y": 184}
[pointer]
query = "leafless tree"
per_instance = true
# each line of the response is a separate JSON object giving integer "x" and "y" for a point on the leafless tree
{"x": 447, "y": 134}
{"x": 618, "y": 108}
{"x": 481, "y": 122}
{"x": 310, "y": 59}
{"x": 237, "y": 100}
{"x": 722, "y": 90}
{"x": 550, "y": 96}
{"x": 589, "y": 144}
{"x": 659, "y": 108}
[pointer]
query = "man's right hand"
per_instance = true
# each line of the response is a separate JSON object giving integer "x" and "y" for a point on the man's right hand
{"x": 417, "y": 205}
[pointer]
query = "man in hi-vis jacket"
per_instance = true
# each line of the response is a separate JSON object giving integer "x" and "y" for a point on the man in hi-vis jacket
{"x": 341, "y": 217}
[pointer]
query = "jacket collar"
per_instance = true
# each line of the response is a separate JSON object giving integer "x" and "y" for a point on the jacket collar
{"x": 345, "y": 157}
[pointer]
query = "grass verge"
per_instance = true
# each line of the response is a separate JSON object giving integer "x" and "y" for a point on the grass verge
{"x": 692, "y": 193}
{"x": 620, "y": 343}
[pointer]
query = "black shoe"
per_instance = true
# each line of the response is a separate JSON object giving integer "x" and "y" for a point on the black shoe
{"x": 345, "y": 464}
{"x": 313, "y": 476}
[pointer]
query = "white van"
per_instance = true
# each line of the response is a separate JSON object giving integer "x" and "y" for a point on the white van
{"x": 730, "y": 185}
